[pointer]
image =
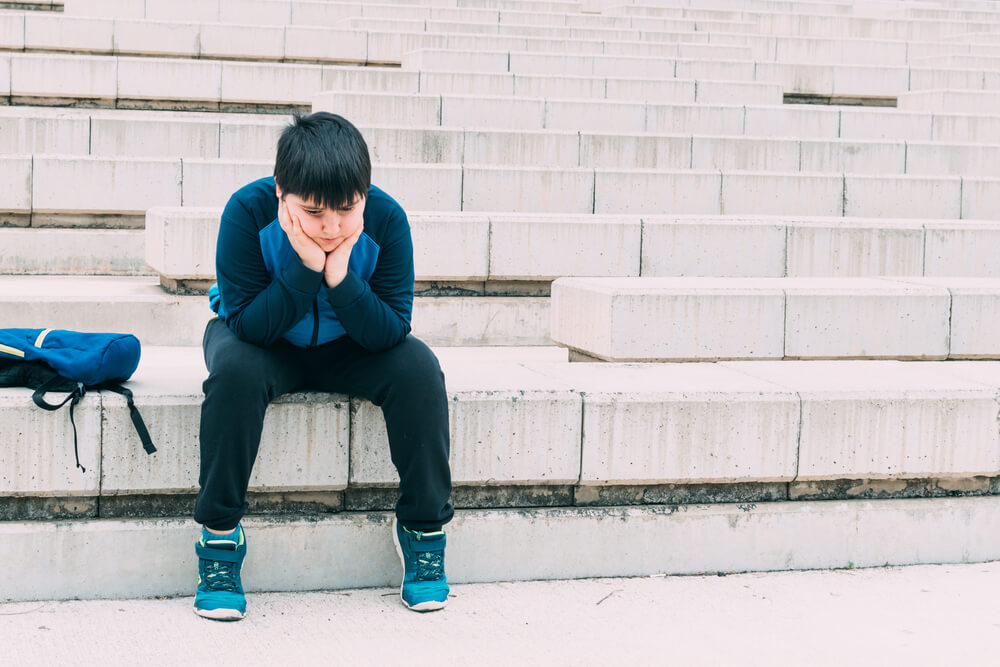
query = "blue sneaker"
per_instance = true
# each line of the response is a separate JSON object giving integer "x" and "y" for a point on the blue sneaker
{"x": 424, "y": 586}
{"x": 220, "y": 558}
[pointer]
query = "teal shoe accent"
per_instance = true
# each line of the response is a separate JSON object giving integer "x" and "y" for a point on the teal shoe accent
{"x": 220, "y": 594}
{"x": 424, "y": 587}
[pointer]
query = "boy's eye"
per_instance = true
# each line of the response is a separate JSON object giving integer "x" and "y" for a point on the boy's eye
{"x": 347, "y": 209}
{"x": 311, "y": 211}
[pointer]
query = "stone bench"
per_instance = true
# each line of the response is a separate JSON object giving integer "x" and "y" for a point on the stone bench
{"x": 661, "y": 319}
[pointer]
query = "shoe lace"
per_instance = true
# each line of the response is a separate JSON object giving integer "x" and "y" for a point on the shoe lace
{"x": 430, "y": 564}
{"x": 219, "y": 575}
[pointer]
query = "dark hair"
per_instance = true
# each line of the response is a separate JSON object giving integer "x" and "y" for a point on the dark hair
{"x": 323, "y": 158}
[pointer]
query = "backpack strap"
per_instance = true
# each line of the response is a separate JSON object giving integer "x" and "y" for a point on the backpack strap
{"x": 72, "y": 398}
{"x": 140, "y": 425}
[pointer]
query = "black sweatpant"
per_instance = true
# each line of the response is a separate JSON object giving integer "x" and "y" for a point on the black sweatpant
{"x": 406, "y": 381}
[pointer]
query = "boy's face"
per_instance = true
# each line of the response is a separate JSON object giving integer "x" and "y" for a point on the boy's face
{"x": 327, "y": 227}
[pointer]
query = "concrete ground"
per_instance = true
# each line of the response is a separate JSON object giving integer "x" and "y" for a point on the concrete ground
{"x": 922, "y": 615}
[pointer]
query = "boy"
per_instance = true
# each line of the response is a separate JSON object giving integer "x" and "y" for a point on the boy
{"x": 315, "y": 291}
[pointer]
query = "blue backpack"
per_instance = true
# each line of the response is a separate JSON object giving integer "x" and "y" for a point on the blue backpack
{"x": 71, "y": 361}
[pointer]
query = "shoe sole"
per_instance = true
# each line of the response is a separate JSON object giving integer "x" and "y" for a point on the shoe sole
{"x": 430, "y": 605}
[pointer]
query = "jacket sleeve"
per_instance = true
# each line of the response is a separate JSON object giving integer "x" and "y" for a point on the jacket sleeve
{"x": 377, "y": 314}
{"x": 258, "y": 309}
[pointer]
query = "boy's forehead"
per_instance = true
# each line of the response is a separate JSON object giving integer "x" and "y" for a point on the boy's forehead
{"x": 310, "y": 202}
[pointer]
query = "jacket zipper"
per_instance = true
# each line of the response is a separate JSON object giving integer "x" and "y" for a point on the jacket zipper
{"x": 315, "y": 322}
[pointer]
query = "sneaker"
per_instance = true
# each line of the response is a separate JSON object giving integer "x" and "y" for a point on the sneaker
{"x": 220, "y": 558}
{"x": 424, "y": 586}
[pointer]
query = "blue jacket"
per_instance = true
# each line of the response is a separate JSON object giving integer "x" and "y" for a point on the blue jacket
{"x": 265, "y": 293}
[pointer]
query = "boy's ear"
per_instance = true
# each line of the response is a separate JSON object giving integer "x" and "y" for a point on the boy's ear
{"x": 277, "y": 190}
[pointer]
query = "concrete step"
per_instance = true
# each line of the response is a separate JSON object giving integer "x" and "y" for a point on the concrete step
{"x": 112, "y": 252}
{"x": 658, "y": 319}
{"x": 35, "y": 191}
{"x": 492, "y": 545}
{"x": 168, "y": 134}
{"x": 497, "y": 248}
{"x": 140, "y": 306}
{"x": 986, "y": 101}
{"x": 527, "y": 431}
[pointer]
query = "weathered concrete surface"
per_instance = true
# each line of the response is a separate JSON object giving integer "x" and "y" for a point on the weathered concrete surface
{"x": 351, "y": 550}
{"x": 879, "y": 616}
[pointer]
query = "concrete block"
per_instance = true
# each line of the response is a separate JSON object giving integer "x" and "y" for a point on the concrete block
{"x": 659, "y": 319}
{"x": 536, "y": 148}
{"x": 270, "y": 84}
{"x": 374, "y": 108}
{"x": 952, "y": 159}
{"x": 544, "y": 248}
{"x": 183, "y": 10}
{"x": 422, "y": 187}
{"x": 962, "y": 249}
{"x": 945, "y": 79}
{"x": 434, "y": 233}
{"x": 466, "y": 320}
{"x": 441, "y": 60}
{"x": 72, "y": 251}
{"x": 887, "y": 419}
{"x": 797, "y": 78}
{"x": 966, "y": 128}
{"x": 595, "y": 116}
{"x": 724, "y": 92}
{"x": 43, "y": 132}
{"x": 304, "y": 43}
{"x": 559, "y": 87}
{"x": 425, "y": 146}
{"x": 103, "y": 185}
{"x": 139, "y": 135}
{"x": 370, "y": 79}
{"x": 616, "y": 67}
{"x": 306, "y": 12}
{"x": 864, "y": 318}
{"x": 715, "y": 70}
{"x": 180, "y": 242}
{"x": 536, "y": 189}
{"x": 389, "y": 47}
{"x": 564, "y": 64}
{"x": 902, "y": 196}
{"x": 253, "y": 140}
{"x": 743, "y": 153}
{"x": 647, "y": 191}
{"x": 304, "y": 445}
{"x": 134, "y": 304}
{"x": 689, "y": 246}
{"x": 15, "y": 186}
{"x": 774, "y": 193}
{"x": 682, "y": 423}
{"x": 212, "y": 182}
{"x": 48, "y": 75}
{"x": 169, "y": 79}
{"x": 974, "y": 316}
{"x": 884, "y": 124}
{"x": 651, "y": 90}
{"x": 855, "y": 248}
{"x": 791, "y": 122}
{"x": 12, "y": 32}
{"x": 167, "y": 38}
{"x": 36, "y": 447}
{"x": 508, "y": 425}
{"x": 634, "y": 151}
{"x": 864, "y": 80}
{"x": 951, "y": 101}
{"x": 467, "y": 83}
{"x": 866, "y": 157}
{"x": 694, "y": 119}
{"x": 814, "y": 50}
{"x": 126, "y": 8}
{"x": 236, "y": 40}
{"x": 46, "y": 31}
{"x": 264, "y": 12}
{"x": 981, "y": 198}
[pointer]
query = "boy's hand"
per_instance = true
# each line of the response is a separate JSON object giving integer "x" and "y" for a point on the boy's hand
{"x": 336, "y": 260}
{"x": 308, "y": 250}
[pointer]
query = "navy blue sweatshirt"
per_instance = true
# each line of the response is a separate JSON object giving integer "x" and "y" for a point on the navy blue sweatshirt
{"x": 265, "y": 292}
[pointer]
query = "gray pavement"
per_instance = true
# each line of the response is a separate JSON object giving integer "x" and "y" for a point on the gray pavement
{"x": 922, "y": 615}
